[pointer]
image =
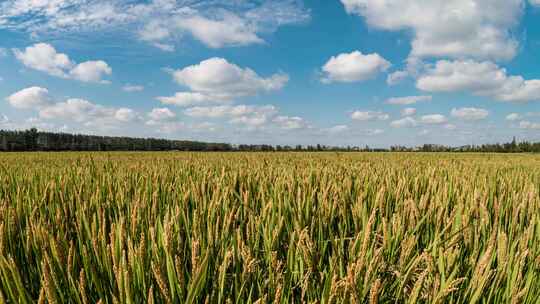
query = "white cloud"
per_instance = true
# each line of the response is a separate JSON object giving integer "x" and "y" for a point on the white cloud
{"x": 228, "y": 30}
{"x": 161, "y": 114}
{"x": 218, "y": 80}
{"x": 513, "y": 117}
{"x": 154, "y": 31}
{"x": 353, "y": 67}
{"x": 251, "y": 116}
{"x": 44, "y": 57}
{"x": 125, "y": 115}
{"x": 84, "y": 111}
{"x": 406, "y": 122}
{"x": 185, "y": 99}
{"x": 534, "y": 2}
{"x": 408, "y": 112}
{"x": 224, "y": 29}
{"x": 163, "y": 120}
{"x": 76, "y": 109}
{"x": 408, "y": 100}
{"x": 480, "y": 78}
{"x": 396, "y": 77}
{"x": 369, "y": 115}
{"x": 290, "y": 123}
{"x": 529, "y": 125}
{"x": 442, "y": 28}
{"x": 414, "y": 66}
{"x": 218, "y": 28}
{"x": 29, "y": 98}
{"x": 91, "y": 71}
{"x": 433, "y": 119}
{"x": 252, "y": 121}
{"x": 216, "y": 23}
{"x": 132, "y": 88}
{"x": 73, "y": 109}
{"x": 470, "y": 114}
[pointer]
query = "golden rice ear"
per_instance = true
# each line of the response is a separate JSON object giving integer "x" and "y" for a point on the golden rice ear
{"x": 265, "y": 227}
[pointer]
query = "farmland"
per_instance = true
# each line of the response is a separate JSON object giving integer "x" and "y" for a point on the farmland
{"x": 269, "y": 227}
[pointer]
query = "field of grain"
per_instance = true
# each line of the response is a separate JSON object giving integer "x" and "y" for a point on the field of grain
{"x": 269, "y": 228}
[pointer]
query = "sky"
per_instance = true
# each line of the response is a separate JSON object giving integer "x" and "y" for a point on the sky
{"x": 280, "y": 72}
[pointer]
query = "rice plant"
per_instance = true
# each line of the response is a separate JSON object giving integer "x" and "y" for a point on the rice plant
{"x": 269, "y": 228}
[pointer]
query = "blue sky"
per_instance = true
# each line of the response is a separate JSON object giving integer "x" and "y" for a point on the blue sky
{"x": 349, "y": 72}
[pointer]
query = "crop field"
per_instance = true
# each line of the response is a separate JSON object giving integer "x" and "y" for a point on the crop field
{"x": 269, "y": 228}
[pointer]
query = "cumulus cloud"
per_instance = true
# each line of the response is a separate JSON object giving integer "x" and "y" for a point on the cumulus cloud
{"x": 216, "y": 79}
{"x": 91, "y": 71}
{"x": 84, "y": 111}
{"x": 408, "y": 100}
{"x": 470, "y": 114}
{"x": 408, "y": 112}
{"x": 125, "y": 115}
{"x": 228, "y": 30}
{"x": 29, "y": 98}
{"x": 251, "y": 116}
{"x": 161, "y": 114}
{"x": 433, "y": 119}
{"x": 163, "y": 120}
{"x": 225, "y": 29}
{"x": 217, "y": 23}
{"x": 353, "y": 67}
{"x": 251, "y": 121}
{"x": 480, "y": 78}
{"x": 43, "y": 57}
{"x": 185, "y": 99}
{"x": 441, "y": 28}
{"x": 73, "y": 109}
{"x": 407, "y": 122}
{"x": 369, "y": 115}
{"x": 290, "y": 123}
{"x": 221, "y": 27}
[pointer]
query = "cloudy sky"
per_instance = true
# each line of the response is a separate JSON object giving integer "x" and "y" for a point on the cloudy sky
{"x": 349, "y": 72}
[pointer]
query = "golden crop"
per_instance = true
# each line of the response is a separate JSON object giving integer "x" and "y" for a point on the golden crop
{"x": 274, "y": 227}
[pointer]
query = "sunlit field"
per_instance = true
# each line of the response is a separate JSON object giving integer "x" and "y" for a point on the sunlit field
{"x": 269, "y": 227}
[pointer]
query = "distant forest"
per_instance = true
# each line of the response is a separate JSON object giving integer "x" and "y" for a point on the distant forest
{"x": 34, "y": 140}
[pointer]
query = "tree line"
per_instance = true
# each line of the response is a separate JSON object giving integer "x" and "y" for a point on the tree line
{"x": 510, "y": 147}
{"x": 34, "y": 140}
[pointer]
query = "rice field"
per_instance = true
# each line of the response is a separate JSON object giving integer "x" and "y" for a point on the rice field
{"x": 269, "y": 228}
